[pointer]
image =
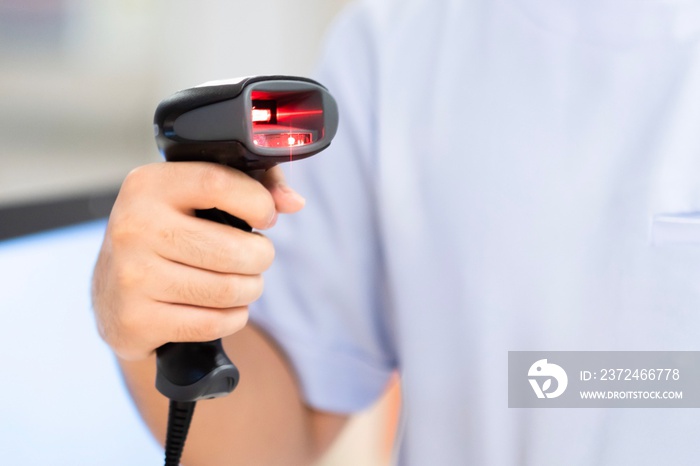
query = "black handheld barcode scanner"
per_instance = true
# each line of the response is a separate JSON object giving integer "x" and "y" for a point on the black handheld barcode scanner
{"x": 248, "y": 124}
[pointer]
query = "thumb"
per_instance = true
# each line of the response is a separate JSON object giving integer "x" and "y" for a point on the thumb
{"x": 287, "y": 201}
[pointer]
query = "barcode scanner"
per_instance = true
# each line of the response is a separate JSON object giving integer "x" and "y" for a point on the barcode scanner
{"x": 249, "y": 124}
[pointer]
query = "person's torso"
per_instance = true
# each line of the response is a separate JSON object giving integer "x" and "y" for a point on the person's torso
{"x": 534, "y": 164}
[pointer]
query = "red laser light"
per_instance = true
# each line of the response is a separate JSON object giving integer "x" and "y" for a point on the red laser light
{"x": 261, "y": 115}
{"x": 282, "y": 139}
{"x": 283, "y": 113}
{"x": 286, "y": 119}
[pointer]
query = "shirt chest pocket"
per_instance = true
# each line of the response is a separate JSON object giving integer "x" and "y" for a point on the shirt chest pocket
{"x": 676, "y": 230}
{"x": 662, "y": 291}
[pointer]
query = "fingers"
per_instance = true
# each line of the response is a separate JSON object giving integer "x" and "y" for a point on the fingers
{"x": 191, "y": 324}
{"x": 140, "y": 331}
{"x": 167, "y": 282}
{"x": 212, "y": 246}
{"x": 187, "y": 186}
{"x": 143, "y": 301}
{"x": 165, "y": 275}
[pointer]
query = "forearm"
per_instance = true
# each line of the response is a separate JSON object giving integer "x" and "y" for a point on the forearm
{"x": 263, "y": 422}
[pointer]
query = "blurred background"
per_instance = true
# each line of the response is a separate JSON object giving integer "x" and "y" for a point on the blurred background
{"x": 79, "y": 81}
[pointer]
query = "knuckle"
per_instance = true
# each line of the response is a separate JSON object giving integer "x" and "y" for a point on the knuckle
{"x": 213, "y": 293}
{"x": 219, "y": 254}
{"x": 133, "y": 180}
{"x": 229, "y": 293}
{"x": 249, "y": 289}
{"x": 225, "y": 256}
{"x": 121, "y": 231}
{"x": 168, "y": 235}
{"x": 216, "y": 180}
{"x": 129, "y": 275}
{"x": 238, "y": 290}
{"x": 127, "y": 225}
{"x": 190, "y": 244}
{"x": 138, "y": 178}
{"x": 192, "y": 293}
{"x": 252, "y": 255}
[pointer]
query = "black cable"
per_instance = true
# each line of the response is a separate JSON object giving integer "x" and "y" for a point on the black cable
{"x": 190, "y": 372}
{"x": 179, "y": 418}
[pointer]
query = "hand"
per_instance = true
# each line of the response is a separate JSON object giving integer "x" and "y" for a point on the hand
{"x": 164, "y": 275}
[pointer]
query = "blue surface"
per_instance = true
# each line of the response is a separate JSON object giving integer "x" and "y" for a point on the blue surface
{"x": 62, "y": 401}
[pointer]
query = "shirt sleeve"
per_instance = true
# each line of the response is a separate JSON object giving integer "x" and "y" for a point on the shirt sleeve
{"x": 324, "y": 299}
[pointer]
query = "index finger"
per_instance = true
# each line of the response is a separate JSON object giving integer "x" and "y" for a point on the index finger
{"x": 189, "y": 186}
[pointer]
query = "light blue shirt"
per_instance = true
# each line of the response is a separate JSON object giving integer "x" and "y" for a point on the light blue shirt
{"x": 508, "y": 175}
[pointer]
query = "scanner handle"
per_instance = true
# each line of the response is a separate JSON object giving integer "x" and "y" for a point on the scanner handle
{"x": 202, "y": 370}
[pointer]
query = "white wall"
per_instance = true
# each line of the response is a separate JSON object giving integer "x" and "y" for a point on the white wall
{"x": 76, "y": 105}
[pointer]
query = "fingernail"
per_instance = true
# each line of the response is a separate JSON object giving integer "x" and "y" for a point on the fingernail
{"x": 291, "y": 193}
{"x": 273, "y": 220}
